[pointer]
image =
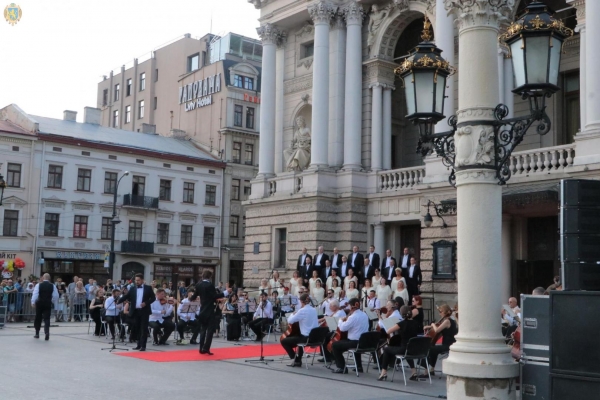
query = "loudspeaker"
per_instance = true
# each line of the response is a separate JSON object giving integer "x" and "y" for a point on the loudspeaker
{"x": 535, "y": 381}
{"x": 535, "y": 327}
{"x": 573, "y": 387}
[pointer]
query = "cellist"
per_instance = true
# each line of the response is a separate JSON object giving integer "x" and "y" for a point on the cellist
{"x": 306, "y": 317}
{"x": 447, "y": 329}
{"x": 355, "y": 324}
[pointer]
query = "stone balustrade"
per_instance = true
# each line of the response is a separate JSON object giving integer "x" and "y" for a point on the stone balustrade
{"x": 404, "y": 178}
{"x": 542, "y": 161}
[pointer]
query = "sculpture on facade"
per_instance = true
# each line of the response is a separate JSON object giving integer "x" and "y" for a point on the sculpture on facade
{"x": 376, "y": 18}
{"x": 297, "y": 156}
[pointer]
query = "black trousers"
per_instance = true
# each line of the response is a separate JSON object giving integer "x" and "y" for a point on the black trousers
{"x": 257, "y": 325}
{"x": 140, "y": 324}
{"x": 111, "y": 325}
{"x": 207, "y": 328}
{"x": 42, "y": 311}
{"x": 98, "y": 321}
{"x": 389, "y": 356}
{"x": 434, "y": 352}
{"x": 291, "y": 342}
{"x": 164, "y": 328}
{"x": 182, "y": 325}
{"x": 340, "y": 347}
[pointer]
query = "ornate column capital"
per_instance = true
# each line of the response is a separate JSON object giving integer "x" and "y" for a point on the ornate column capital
{"x": 258, "y": 3}
{"x": 337, "y": 21}
{"x": 270, "y": 34}
{"x": 322, "y": 12}
{"x": 470, "y": 13}
{"x": 354, "y": 14}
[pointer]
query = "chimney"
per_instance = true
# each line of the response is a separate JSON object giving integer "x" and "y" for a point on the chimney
{"x": 148, "y": 129}
{"x": 92, "y": 115}
{"x": 178, "y": 134}
{"x": 187, "y": 35}
{"x": 69, "y": 115}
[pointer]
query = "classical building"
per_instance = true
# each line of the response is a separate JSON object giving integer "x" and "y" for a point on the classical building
{"x": 169, "y": 195}
{"x": 208, "y": 90}
{"x": 338, "y": 163}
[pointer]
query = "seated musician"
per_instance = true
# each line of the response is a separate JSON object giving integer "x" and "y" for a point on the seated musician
{"x": 159, "y": 321}
{"x": 324, "y": 308}
{"x": 112, "y": 313}
{"x": 306, "y": 317}
{"x": 263, "y": 315}
{"x": 287, "y": 301}
{"x": 392, "y": 307}
{"x": 343, "y": 300}
{"x": 335, "y": 312}
{"x": 448, "y": 330}
{"x": 188, "y": 319}
{"x": 510, "y": 323}
{"x": 373, "y": 302}
{"x": 407, "y": 328}
{"x": 356, "y": 323}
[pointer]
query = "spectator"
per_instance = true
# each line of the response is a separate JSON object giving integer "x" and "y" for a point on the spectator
{"x": 62, "y": 303}
{"x": 79, "y": 301}
{"x": 182, "y": 290}
{"x": 19, "y": 309}
{"x": 108, "y": 288}
{"x": 10, "y": 299}
{"x": 71, "y": 294}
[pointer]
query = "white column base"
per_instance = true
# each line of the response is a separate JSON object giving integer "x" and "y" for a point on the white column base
{"x": 587, "y": 144}
{"x": 470, "y": 388}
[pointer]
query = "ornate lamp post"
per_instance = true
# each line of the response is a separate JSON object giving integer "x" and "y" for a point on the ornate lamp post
{"x": 113, "y": 223}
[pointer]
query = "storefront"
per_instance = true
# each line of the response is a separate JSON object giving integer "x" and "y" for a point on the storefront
{"x": 67, "y": 264}
{"x": 15, "y": 264}
{"x": 189, "y": 273}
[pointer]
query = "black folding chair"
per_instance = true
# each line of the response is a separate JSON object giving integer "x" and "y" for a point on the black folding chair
{"x": 367, "y": 344}
{"x": 316, "y": 340}
{"x": 417, "y": 350}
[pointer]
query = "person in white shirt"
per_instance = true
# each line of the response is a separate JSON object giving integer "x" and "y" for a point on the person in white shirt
{"x": 393, "y": 312}
{"x": 333, "y": 310}
{"x": 355, "y": 324}
{"x": 262, "y": 316}
{"x": 306, "y": 317}
{"x": 287, "y": 301}
{"x": 325, "y": 308}
{"x": 113, "y": 311}
{"x": 161, "y": 318}
{"x": 341, "y": 297}
{"x": 373, "y": 302}
{"x": 187, "y": 312}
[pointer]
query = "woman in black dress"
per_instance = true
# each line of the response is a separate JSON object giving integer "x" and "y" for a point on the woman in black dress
{"x": 96, "y": 307}
{"x": 417, "y": 310}
{"x": 448, "y": 329}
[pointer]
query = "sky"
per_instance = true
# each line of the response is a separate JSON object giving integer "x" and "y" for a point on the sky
{"x": 54, "y": 57}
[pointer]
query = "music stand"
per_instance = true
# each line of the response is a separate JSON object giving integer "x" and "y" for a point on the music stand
{"x": 187, "y": 308}
{"x": 114, "y": 346}
{"x": 262, "y": 359}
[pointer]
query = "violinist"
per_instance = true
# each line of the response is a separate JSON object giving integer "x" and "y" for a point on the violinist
{"x": 325, "y": 307}
{"x": 373, "y": 302}
{"x": 263, "y": 315}
{"x": 392, "y": 308}
{"x": 159, "y": 321}
{"x": 306, "y": 317}
{"x": 417, "y": 310}
{"x": 187, "y": 317}
{"x": 335, "y": 312}
{"x": 356, "y": 323}
{"x": 448, "y": 329}
{"x": 112, "y": 312}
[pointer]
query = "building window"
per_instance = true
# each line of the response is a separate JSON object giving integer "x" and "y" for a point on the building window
{"x": 84, "y": 179}
{"x": 209, "y": 237}
{"x": 162, "y": 234}
{"x": 165, "y": 190}
{"x": 249, "y": 154}
{"x": 237, "y": 152}
{"x": 238, "y": 115}
{"x": 156, "y": 75}
{"x": 51, "y": 225}
{"x": 193, "y": 62}
{"x": 244, "y": 226}
{"x": 247, "y": 192}
{"x": 571, "y": 106}
{"x": 233, "y": 226}
{"x": 128, "y": 87}
{"x": 238, "y": 81}
{"x": 308, "y": 49}
{"x": 110, "y": 182}
{"x": 186, "y": 235}
{"x": 210, "y": 197}
{"x": 106, "y": 228}
{"x": 80, "y": 226}
{"x": 141, "y": 109}
{"x": 248, "y": 83}
{"x": 138, "y": 186}
{"x": 11, "y": 223}
{"x": 235, "y": 189}
{"x": 155, "y": 103}
{"x": 55, "y": 174}
{"x": 250, "y": 118}
{"x": 117, "y": 91}
{"x": 188, "y": 192}
{"x": 127, "y": 114}
{"x": 105, "y": 97}
{"x": 281, "y": 249}
{"x": 142, "y": 81}
{"x": 135, "y": 231}
{"x": 116, "y": 119}
{"x": 13, "y": 175}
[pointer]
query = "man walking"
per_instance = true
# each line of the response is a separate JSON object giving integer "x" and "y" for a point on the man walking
{"x": 44, "y": 294}
{"x": 209, "y": 295}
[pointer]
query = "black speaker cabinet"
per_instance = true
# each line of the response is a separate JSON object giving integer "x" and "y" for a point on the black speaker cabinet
{"x": 567, "y": 387}
{"x": 535, "y": 381}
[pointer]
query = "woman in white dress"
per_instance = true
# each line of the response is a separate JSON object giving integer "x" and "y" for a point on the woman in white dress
{"x": 347, "y": 280}
{"x": 336, "y": 287}
{"x": 384, "y": 293}
{"x": 312, "y": 282}
{"x": 352, "y": 291}
{"x": 401, "y": 291}
{"x": 398, "y": 277}
{"x": 376, "y": 279}
{"x": 318, "y": 293}
{"x": 264, "y": 286}
{"x": 274, "y": 283}
{"x": 364, "y": 292}
{"x": 333, "y": 277}
{"x": 295, "y": 283}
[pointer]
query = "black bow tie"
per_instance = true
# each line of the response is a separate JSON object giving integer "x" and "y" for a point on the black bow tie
{"x": 140, "y": 287}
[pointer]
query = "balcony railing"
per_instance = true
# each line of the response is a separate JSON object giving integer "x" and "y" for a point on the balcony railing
{"x": 542, "y": 161}
{"x": 131, "y": 246}
{"x": 140, "y": 201}
{"x": 405, "y": 178}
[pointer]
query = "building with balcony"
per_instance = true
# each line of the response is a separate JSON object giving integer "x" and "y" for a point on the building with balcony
{"x": 208, "y": 90}
{"x": 168, "y": 194}
{"x": 332, "y": 63}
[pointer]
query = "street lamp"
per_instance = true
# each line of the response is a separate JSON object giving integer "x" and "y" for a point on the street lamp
{"x": 2, "y": 187}
{"x": 115, "y": 220}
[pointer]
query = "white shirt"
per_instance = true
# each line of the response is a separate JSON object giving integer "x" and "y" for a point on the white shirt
{"x": 353, "y": 258}
{"x": 374, "y": 303}
{"x": 318, "y": 260}
{"x": 343, "y": 302}
{"x": 188, "y": 316}
{"x": 157, "y": 310}
{"x": 325, "y": 308}
{"x": 344, "y": 268}
{"x": 334, "y": 260}
{"x": 395, "y": 314}
{"x": 387, "y": 261}
{"x": 138, "y": 297}
{"x": 405, "y": 261}
{"x": 391, "y": 271}
{"x": 367, "y": 269}
{"x": 112, "y": 309}
{"x": 371, "y": 257}
{"x": 339, "y": 314}
{"x": 307, "y": 318}
{"x": 267, "y": 312}
{"x": 303, "y": 258}
{"x": 410, "y": 271}
{"x": 36, "y": 293}
{"x": 355, "y": 325}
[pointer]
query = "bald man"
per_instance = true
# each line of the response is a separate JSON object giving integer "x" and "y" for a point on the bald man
{"x": 302, "y": 259}
{"x": 511, "y": 323}
{"x": 44, "y": 294}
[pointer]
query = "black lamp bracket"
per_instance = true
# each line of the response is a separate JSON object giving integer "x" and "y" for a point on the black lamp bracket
{"x": 441, "y": 210}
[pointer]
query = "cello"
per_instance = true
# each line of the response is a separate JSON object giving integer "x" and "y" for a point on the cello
{"x": 339, "y": 335}
{"x": 435, "y": 334}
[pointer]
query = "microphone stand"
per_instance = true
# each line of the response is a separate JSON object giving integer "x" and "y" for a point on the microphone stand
{"x": 114, "y": 346}
{"x": 262, "y": 359}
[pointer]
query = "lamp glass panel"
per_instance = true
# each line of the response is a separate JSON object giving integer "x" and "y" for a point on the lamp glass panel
{"x": 410, "y": 93}
{"x": 440, "y": 88}
{"x": 536, "y": 52}
{"x": 555, "y": 52}
{"x": 518, "y": 62}
{"x": 424, "y": 86}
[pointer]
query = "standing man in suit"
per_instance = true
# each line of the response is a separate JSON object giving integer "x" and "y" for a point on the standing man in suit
{"x": 387, "y": 270}
{"x": 366, "y": 272}
{"x": 414, "y": 278}
{"x": 306, "y": 270}
{"x": 209, "y": 296}
{"x": 44, "y": 294}
{"x": 140, "y": 297}
{"x": 302, "y": 259}
{"x": 405, "y": 259}
{"x": 355, "y": 259}
{"x": 390, "y": 272}
{"x": 373, "y": 257}
{"x": 343, "y": 270}
{"x": 326, "y": 272}
{"x": 319, "y": 260}
{"x": 336, "y": 258}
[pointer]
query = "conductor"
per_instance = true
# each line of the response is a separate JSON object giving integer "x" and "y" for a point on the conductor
{"x": 209, "y": 296}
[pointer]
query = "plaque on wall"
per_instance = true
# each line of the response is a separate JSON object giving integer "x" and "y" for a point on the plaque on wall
{"x": 444, "y": 259}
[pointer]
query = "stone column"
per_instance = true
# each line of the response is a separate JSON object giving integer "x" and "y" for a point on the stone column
{"x": 387, "y": 126}
{"x": 444, "y": 39}
{"x": 479, "y": 365}
{"x": 270, "y": 36}
{"x": 379, "y": 238}
{"x": 592, "y": 80}
{"x": 354, "y": 15}
{"x": 505, "y": 283}
{"x": 580, "y": 6}
{"x": 321, "y": 13}
{"x": 509, "y": 96}
{"x": 279, "y": 105}
{"x": 337, "y": 76}
{"x": 376, "y": 127}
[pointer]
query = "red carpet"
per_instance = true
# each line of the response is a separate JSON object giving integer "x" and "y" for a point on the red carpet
{"x": 224, "y": 353}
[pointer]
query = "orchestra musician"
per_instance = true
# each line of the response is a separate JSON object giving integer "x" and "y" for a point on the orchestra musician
{"x": 161, "y": 319}
{"x": 417, "y": 310}
{"x": 448, "y": 329}
{"x": 372, "y": 301}
{"x": 188, "y": 319}
{"x": 356, "y": 323}
{"x": 408, "y": 329}
{"x": 306, "y": 317}
{"x": 333, "y": 310}
{"x": 392, "y": 308}
{"x": 112, "y": 312}
{"x": 325, "y": 308}
{"x": 263, "y": 315}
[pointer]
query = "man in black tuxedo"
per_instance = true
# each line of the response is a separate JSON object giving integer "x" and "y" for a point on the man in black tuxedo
{"x": 373, "y": 257}
{"x": 405, "y": 259}
{"x": 140, "y": 298}
{"x": 366, "y": 272}
{"x": 336, "y": 258}
{"x": 387, "y": 270}
{"x": 44, "y": 294}
{"x": 356, "y": 259}
{"x": 306, "y": 270}
{"x": 343, "y": 270}
{"x": 326, "y": 271}
{"x": 413, "y": 278}
{"x": 209, "y": 296}
{"x": 319, "y": 260}
{"x": 302, "y": 259}
{"x": 390, "y": 272}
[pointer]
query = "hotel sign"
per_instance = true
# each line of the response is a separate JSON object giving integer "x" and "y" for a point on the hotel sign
{"x": 199, "y": 93}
